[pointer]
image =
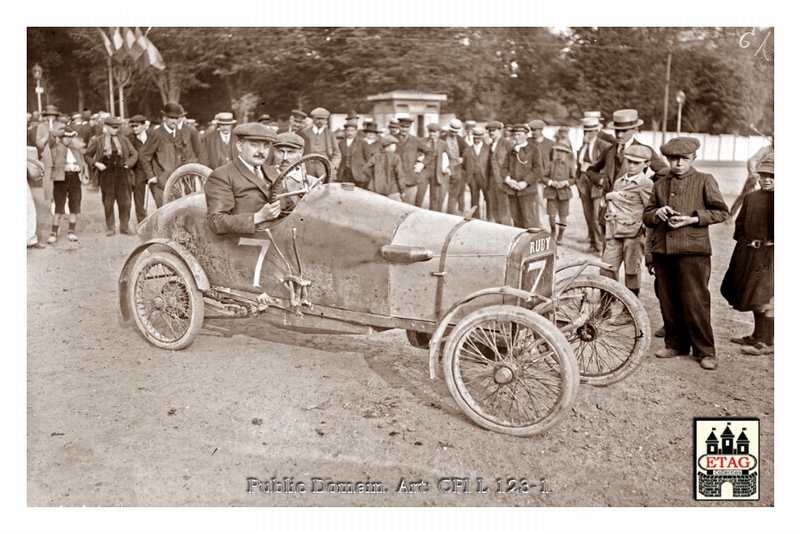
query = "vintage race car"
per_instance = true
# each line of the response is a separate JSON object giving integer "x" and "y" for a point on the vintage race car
{"x": 512, "y": 334}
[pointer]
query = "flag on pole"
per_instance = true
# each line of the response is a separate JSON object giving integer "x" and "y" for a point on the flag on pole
{"x": 154, "y": 56}
{"x": 125, "y": 42}
{"x": 106, "y": 42}
{"x": 118, "y": 43}
{"x": 132, "y": 43}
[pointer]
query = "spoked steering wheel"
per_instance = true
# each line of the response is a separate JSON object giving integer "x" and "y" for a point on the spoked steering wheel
{"x": 281, "y": 179}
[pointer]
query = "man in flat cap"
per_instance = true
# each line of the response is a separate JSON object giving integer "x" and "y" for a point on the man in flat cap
{"x": 500, "y": 149}
{"x": 288, "y": 149}
{"x": 545, "y": 145}
{"x": 114, "y": 156}
{"x": 385, "y": 170}
{"x": 68, "y": 171}
{"x": 682, "y": 206}
{"x": 319, "y": 139}
{"x": 168, "y": 148}
{"x": 369, "y": 146}
{"x": 220, "y": 145}
{"x": 456, "y": 146}
{"x": 590, "y": 152}
{"x": 520, "y": 183}
{"x": 237, "y": 193}
{"x": 297, "y": 120}
{"x": 393, "y": 127}
{"x": 436, "y": 162}
{"x": 138, "y": 137}
{"x": 408, "y": 149}
{"x": 352, "y": 166}
{"x": 476, "y": 171}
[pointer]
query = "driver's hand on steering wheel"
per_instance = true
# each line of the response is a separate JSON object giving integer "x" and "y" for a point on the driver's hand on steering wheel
{"x": 268, "y": 212}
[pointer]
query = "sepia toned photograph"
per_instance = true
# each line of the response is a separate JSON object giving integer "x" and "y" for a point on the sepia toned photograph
{"x": 400, "y": 266}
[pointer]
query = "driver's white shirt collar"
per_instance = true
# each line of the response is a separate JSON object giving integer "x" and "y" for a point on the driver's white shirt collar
{"x": 251, "y": 167}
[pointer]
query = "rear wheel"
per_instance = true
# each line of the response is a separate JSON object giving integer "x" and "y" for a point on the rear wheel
{"x": 166, "y": 304}
{"x": 615, "y": 331}
{"x": 510, "y": 370}
{"x": 186, "y": 180}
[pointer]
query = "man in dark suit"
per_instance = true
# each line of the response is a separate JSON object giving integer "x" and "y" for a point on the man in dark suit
{"x": 476, "y": 167}
{"x": 499, "y": 151}
{"x": 352, "y": 165}
{"x": 168, "y": 148}
{"x": 456, "y": 146}
{"x": 589, "y": 153}
{"x": 408, "y": 149}
{"x": 611, "y": 166}
{"x": 438, "y": 175}
{"x": 237, "y": 193}
{"x": 138, "y": 138}
{"x": 220, "y": 144}
{"x": 545, "y": 145}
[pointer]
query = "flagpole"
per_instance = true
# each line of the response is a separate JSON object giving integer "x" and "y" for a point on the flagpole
{"x": 110, "y": 88}
{"x": 121, "y": 103}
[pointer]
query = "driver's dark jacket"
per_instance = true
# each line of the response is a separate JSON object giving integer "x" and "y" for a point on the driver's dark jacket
{"x": 233, "y": 194}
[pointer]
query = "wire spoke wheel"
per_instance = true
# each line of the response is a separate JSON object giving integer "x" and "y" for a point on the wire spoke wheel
{"x": 165, "y": 301}
{"x": 615, "y": 331}
{"x": 510, "y": 370}
{"x": 186, "y": 180}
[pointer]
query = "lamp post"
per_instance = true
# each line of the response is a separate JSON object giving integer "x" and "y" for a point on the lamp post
{"x": 37, "y": 74}
{"x": 680, "y": 98}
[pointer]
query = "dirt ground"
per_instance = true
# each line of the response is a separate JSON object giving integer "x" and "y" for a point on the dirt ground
{"x": 114, "y": 421}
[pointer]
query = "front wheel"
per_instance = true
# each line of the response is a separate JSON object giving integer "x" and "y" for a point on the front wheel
{"x": 166, "y": 304}
{"x": 613, "y": 332}
{"x": 186, "y": 179}
{"x": 510, "y": 370}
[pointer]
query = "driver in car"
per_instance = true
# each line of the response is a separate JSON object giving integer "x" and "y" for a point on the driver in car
{"x": 237, "y": 193}
{"x": 288, "y": 149}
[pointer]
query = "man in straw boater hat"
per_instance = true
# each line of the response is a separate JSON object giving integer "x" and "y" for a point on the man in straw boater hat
{"x": 611, "y": 166}
{"x": 682, "y": 206}
{"x": 237, "y": 193}
{"x": 590, "y": 152}
{"x": 220, "y": 145}
{"x": 169, "y": 147}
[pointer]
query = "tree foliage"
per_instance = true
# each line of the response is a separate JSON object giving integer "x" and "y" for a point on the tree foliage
{"x": 510, "y": 74}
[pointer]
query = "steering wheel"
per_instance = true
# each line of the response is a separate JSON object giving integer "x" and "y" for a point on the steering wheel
{"x": 273, "y": 193}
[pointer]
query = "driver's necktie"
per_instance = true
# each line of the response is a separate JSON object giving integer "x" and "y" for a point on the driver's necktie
{"x": 258, "y": 173}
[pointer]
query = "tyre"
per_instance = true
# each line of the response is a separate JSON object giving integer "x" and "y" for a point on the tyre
{"x": 510, "y": 370}
{"x": 166, "y": 304}
{"x": 611, "y": 343}
{"x": 186, "y": 179}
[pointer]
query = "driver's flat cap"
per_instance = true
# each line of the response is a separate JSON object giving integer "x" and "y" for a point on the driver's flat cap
{"x": 255, "y": 131}
{"x": 290, "y": 140}
{"x": 320, "y": 112}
